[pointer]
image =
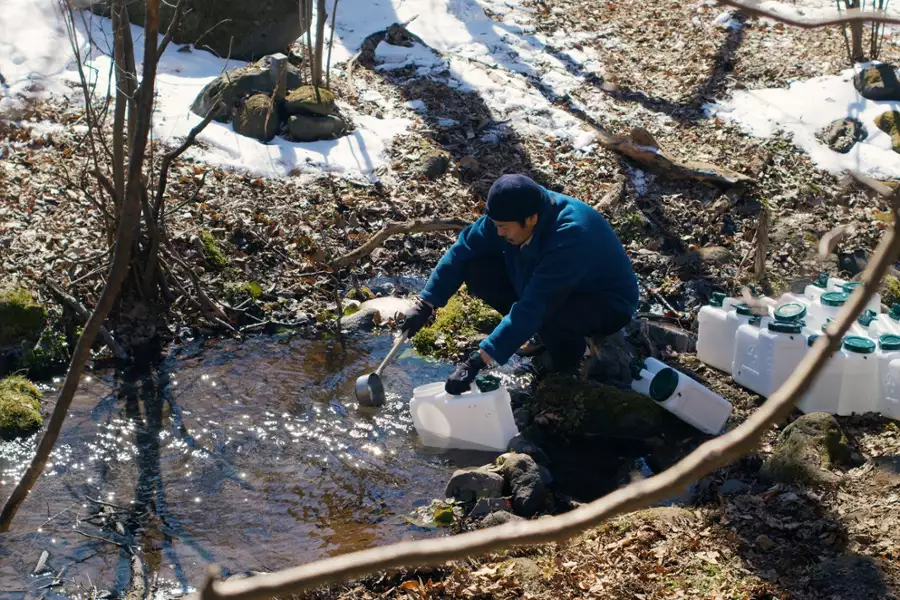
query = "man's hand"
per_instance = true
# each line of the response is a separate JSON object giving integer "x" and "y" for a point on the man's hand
{"x": 464, "y": 375}
{"x": 416, "y": 318}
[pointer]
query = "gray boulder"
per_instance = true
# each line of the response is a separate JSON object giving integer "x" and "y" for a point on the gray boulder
{"x": 257, "y": 118}
{"x": 842, "y": 135}
{"x": 526, "y": 484}
{"x": 377, "y": 310}
{"x": 308, "y": 128}
{"x": 229, "y": 28}
{"x": 806, "y": 450}
{"x": 501, "y": 517}
{"x": 238, "y": 83}
{"x": 469, "y": 485}
{"x": 877, "y": 82}
{"x": 521, "y": 445}
{"x": 303, "y": 100}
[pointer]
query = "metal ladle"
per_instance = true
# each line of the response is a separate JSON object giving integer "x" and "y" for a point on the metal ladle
{"x": 369, "y": 388}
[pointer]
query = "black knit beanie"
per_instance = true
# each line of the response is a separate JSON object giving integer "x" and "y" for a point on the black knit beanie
{"x": 514, "y": 198}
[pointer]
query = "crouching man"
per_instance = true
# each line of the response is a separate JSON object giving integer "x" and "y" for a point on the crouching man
{"x": 549, "y": 263}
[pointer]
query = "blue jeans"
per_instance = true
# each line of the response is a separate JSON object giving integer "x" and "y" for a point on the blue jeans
{"x": 571, "y": 316}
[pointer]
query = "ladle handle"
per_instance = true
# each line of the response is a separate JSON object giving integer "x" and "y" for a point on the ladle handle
{"x": 391, "y": 354}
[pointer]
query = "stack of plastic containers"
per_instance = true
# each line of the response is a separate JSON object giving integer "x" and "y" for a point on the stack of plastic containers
{"x": 717, "y": 324}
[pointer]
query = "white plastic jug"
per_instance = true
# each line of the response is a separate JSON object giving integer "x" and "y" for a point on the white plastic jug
{"x": 474, "y": 420}
{"x": 682, "y": 396}
{"x": 791, "y": 298}
{"x": 874, "y": 303}
{"x": 826, "y": 307}
{"x": 764, "y": 357}
{"x": 889, "y": 403}
{"x": 886, "y": 323}
{"x": 835, "y": 284}
{"x": 859, "y": 327}
{"x": 848, "y": 383}
{"x": 818, "y": 287}
{"x": 888, "y": 351}
{"x": 716, "y": 327}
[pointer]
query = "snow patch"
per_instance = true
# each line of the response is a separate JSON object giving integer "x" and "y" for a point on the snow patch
{"x": 804, "y": 108}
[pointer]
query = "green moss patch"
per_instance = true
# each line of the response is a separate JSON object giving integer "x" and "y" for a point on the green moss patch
{"x": 21, "y": 317}
{"x": 20, "y": 407}
{"x": 456, "y": 326}
{"x": 889, "y": 122}
{"x": 211, "y": 251}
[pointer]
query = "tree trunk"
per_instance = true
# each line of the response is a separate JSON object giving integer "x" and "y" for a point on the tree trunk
{"x": 321, "y": 18}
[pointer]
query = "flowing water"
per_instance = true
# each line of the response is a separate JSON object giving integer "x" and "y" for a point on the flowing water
{"x": 251, "y": 455}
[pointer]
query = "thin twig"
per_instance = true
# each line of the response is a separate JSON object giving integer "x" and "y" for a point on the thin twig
{"x": 393, "y": 229}
{"x": 84, "y": 314}
{"x": 853, "y": 15}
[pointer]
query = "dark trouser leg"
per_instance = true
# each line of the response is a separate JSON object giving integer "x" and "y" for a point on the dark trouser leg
{"x": 486, "y": 278}
{"x": 572, "y": 319}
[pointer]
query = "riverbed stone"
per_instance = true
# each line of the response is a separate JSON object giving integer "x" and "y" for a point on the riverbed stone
{"x": 378, "y": 310}
{"x": 485, "y": 506}
{"x": 806, "y": 451}
{"x": 841, "y": 135}
{"x": 889, "y": 122}
{"x": 257, "y": 118}
{"x": 234, "y": 29}
{"x": 469, "y": 485}
{"x": 500, "y": 517}
{"x": 20, "y": 407}
{"x": 527, "y": 488}
{"x": 877, "y": 82}
{"x": 303, "y": 100}
{"x": 522, "y": 445}
{"x": 309, "y": 128}
{"x": 22, "y": 318}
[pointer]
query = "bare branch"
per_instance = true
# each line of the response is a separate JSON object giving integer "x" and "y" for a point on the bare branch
{"x": 395, "y": 228}
{"x": 84, "y": 314}
{"x": 170, "y": 30}
{"x": 853, "y": 15}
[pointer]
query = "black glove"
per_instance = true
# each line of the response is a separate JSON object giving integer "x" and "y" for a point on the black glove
{"x": 464, "y": 375}
{"x": 416, "y": 318}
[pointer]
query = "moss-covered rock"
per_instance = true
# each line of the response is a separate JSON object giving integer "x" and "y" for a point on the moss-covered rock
{"x": 22, "y": 318}
{"x": 311, "y": 128}
{"x": 257, "y": 118}
{"x": 361, "y": 293}
{"x": 889, "y": 122}
{"x": 890, "y": 290}
{"x": 878, "y": 82}
{"x": 211, "y": 251}
{"x": 242, "y": 291}
{"x": 807, "y": 449}
{"x": 457, "y": 327}
{"x": 303, "y": 100}
{"x": 20, "y": 407}
{"x": 573, "y": 407}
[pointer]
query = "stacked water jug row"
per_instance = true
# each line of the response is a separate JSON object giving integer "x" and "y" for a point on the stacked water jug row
{"x": 761, "y": 351}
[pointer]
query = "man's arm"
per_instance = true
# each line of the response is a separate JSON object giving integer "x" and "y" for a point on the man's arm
{"x": 475, "y": 240}
{"x": 561, "y": 266}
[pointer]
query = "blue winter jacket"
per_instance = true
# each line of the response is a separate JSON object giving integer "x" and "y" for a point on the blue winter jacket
{"x": 573, "y": 247}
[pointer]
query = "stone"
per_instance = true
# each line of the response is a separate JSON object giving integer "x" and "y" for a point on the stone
{"x": 378, "y": 310}
{"x": 234, "y": 29}
{"x": 434, "y": 164}
{"x": 237, "y": 83}
{"x": 877, "y": 82}
{"x": 764, "y": 542}
{"x": 612, "y": 362}
{"x": 527, "y": 489}
{"x": 501, "y": 517}
{"x": 844, "y": 577}
{"x": 303, "y": 101}
{"x": 306, "y": 128}
{"x": 733, "y": 487}
{"x": 468, "y": 485}
{"x": 546, "y": 475}
{"x": 841, "y": 135}
{"x": 22, "y": 318}
{"x": 20, "y": 407}
{"x": 486, "y": 506}
{"x": 806, "y": 450}
{"x": 711, "y": 255}
{"x": 521, "y": 445}
{"x": 522, "y": 417}
{"x": 889, "y": 122}
{"x": 854, "y": 262}
{"x": 670, "y": 335}
{"x": 257, "y": 118}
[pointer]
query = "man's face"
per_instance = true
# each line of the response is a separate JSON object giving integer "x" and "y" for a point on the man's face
{"x": 514, "y": 233}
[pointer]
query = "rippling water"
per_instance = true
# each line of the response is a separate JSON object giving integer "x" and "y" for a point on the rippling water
{"x": 252, "y": 455}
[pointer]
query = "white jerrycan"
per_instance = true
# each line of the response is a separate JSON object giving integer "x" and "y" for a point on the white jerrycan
{"x": 888, "y": 352}
{"x": 682, "y": 396}
{"x": 818, "y": 287}
{"x": 716, "y": 328}
{"x": 889, "y": 403}
{"x": 474, "y": 420}
{"x": 849, "y": 381}
{"x": 874, "y": 303}
{"x": 826, "y": 307}
{"x": 764, "y": 357}
{"x": 886, "y": 323}
{"x": 836, "y": 284}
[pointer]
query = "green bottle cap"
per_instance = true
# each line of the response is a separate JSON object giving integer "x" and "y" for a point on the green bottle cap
{"x": 834, "y": 298}
{"x": 867, "y": 317}
{"x": 487, "y": 383}
{"x": 812, "y": 339}
{"x": 850, "y": 286}
{"x": 743, "y": 309}
{"x": 895, "y": 312}
{"x": 859, "y": 344}
{"x": 821, "y": 281}
{"x": 786, "y": 326}
{"x": 792, "y": 311}
{"x": 718, "y": 299}
{"x": 889, "y": 342}
{"x": 664, "y": 384}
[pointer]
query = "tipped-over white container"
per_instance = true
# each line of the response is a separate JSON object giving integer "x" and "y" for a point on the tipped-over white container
{"x": 826, "y": 307}
{"x": 682, "y": 396}
{"x": 874, "y": 303}
{"x": 474, "y": 420}
{"x": 764, "y": 357}
{"x": 886, "y": 323}
{"x": 849, "y": 382}
{"x": 717, "y": 324}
